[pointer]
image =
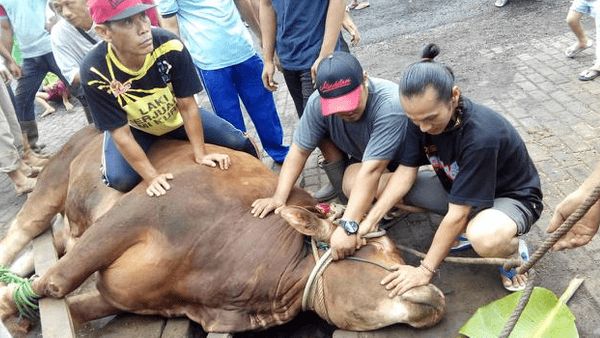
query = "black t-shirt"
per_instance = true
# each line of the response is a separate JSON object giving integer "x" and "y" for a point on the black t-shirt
{"x": 144, "y": 98}
{"x": 483, "y": 159}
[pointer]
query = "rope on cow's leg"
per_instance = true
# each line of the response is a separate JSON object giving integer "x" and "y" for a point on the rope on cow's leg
{"x": 24, "y": 297}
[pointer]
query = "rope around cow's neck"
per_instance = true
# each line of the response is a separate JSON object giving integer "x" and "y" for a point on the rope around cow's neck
{"x": 314, "y": 279}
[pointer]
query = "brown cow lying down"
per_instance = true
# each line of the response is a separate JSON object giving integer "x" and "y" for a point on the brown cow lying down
{"x": 197, "y": 251}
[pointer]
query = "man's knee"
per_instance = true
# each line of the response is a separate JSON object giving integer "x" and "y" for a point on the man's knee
{"x": 240, "y": 142}
{"x": 491, "y": 232}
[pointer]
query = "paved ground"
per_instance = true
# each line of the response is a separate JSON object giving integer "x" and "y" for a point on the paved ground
{"x": 510, "y": 59}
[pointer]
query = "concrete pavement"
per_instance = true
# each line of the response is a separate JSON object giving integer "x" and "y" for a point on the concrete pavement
{"x": 528, "y": 81}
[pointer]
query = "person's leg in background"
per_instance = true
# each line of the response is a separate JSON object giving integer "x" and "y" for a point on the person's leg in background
{"x": 10, "y": 158}
{"x": 223, "y": 95}
{"x": 307, "y": 86}
{"x": 294, "y": 85}
{"x": 34, "y": 71}
{"x": 576, "y": 12}
{"x": 260, "y": 105}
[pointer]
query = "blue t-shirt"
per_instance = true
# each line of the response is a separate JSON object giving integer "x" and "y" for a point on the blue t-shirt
{"x": 481, "y": 159}
{"x": 212, "y": 30}
{"x": 27, "y": 18}
{"x": 300, "y": 30}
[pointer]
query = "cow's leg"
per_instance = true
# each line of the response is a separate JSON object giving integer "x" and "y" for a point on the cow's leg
{"x": 46, "y": 200}
{"x": 29, "y": 223}
{"x": 90, "y": 306}
{"x": 23, "y": 265}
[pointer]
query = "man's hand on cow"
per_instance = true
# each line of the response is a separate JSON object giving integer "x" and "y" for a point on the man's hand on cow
{"x": 263, "y": 206}
{"x": 159, "y": 185}
{"x": 342, "y": 244}
{"x": 583, "y": 231}
{"x": 365, "y": 227}
{"x": 214, "y": 159}
{"x": 405, "y": 278}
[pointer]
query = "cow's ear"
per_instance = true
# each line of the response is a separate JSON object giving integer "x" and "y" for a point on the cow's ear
{"x": 307, "y": 223}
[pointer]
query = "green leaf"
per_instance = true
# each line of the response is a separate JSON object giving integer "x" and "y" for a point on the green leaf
{"x": 544, "y": 316}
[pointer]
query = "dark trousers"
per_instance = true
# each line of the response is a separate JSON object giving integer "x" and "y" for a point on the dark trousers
{"x": 34, "y": 70}
{"x": 117, "y": 173}
{"x": 300, "y": 85}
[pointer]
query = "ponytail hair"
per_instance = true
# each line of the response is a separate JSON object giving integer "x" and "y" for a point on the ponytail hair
{"x": 418, "y": 76}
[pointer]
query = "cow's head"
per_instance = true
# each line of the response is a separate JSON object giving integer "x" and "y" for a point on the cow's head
{"x": 354, "y": 299}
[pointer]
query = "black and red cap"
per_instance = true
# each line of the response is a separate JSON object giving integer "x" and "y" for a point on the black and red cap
{"x": 339, "y": 79}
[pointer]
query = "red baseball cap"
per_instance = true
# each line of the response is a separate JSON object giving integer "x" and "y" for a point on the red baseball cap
{"x": 339, "y": 79}
{"x": 102, "y": 11}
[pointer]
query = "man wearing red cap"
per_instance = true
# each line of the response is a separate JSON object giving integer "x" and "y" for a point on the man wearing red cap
{"x": 358, "y": 124}
{"x": 140, "y": 85}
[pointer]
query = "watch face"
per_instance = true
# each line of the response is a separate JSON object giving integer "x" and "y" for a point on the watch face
{"x": 351, "y": 227}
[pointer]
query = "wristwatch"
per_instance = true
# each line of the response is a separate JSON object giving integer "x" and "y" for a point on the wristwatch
{"x": 351, "y": 227}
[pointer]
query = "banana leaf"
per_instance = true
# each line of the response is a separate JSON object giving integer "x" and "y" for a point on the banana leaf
{"x": 544, "y": 316}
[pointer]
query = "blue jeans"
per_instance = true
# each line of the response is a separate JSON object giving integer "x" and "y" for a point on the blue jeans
{"x": 34, "y": 71}
{"x": 118, "y": 174}
{"x": 227, "y": 85}
{"x": 299, "y": 83}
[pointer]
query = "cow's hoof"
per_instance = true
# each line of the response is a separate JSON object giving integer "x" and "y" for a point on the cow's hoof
{"x": 7, "y": 303}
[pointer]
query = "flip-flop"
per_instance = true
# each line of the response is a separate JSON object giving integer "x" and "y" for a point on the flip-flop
{"x": 524, "y": 253}
{"x": 351, "y": 6}
{"x": 589, "y": 75}
{"x": 362, "y": 5}
{"x": 576, "y": 49}
{"x": 463, "y": 244}
{"x": 500, "y": 3}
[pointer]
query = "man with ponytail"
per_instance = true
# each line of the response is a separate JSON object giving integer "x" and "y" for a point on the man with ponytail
{"x": 483, "y": 180}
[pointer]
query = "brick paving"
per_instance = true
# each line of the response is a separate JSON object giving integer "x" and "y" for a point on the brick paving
{"x": 557, "y": 115}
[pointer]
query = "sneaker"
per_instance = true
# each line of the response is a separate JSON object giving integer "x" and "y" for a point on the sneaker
{"x": 463, "y": 244}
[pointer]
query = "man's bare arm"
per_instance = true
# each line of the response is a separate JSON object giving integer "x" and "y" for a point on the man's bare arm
{"x": 170, "y": 23}
{"x": 249, "y": 13}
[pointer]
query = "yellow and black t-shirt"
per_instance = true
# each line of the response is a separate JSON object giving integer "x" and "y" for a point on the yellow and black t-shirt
{"x": 145, "y": 98}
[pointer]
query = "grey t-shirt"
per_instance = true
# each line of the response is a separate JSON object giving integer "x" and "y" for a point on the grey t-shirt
{"x": 376, "y": 136}
{"x": 70, "y": 47}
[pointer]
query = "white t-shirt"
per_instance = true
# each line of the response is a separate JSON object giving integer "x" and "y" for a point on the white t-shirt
{"x": 70, "y": 47}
